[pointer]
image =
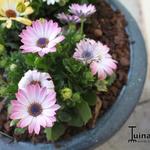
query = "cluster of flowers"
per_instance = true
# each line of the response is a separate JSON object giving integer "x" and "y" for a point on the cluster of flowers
{"x": 79, "y": 13}
{"x": 35, "y": 103}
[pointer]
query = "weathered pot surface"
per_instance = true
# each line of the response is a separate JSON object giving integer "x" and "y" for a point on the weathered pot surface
{"x": 116, "y": 116}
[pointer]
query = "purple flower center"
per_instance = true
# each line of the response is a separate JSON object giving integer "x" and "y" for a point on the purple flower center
{"x": 35, "y": 109}
{"x": 42, "y": 42}
{"x": 87, "y": 54}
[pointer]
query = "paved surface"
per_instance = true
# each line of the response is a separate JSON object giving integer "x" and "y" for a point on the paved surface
{"x": 140, "y": 9}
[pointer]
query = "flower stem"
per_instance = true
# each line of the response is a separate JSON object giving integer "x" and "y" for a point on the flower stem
{"x": 82, "y": 26}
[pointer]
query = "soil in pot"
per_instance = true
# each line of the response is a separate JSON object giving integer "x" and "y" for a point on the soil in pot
{"x": 107, "y": 26}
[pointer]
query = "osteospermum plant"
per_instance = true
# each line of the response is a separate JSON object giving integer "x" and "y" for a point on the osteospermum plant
{"x": 51, "y": 71}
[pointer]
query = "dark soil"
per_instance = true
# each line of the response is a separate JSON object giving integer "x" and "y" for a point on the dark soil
{"x": 107, "y": 26}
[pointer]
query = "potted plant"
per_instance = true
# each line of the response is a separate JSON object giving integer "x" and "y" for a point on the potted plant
{"x": 71, "y": 72}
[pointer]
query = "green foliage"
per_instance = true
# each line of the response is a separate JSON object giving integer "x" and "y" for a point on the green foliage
{"x": 19, "y": 131}
{"x": 111, "y": 79}
{"x": 72, "y": 66}
{"x": 14, "y": 68}
{"x": 84, "y": 111}
{"x": 76, "y": 97}
{"x": 76, "y": 120}
{"x": 90, "y": 97}
{"x": 13, "y": 123}
{"x": 82, "y": 1}
{"x": 101, "y": 85}
{"x": 78, "y": 73}
{"x": 55, "y": 132}
{"x": 64, "y": 116}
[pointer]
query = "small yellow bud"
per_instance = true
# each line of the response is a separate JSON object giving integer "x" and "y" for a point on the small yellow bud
{"x": 13, "y": 67}
{"x": 66, "y": 93}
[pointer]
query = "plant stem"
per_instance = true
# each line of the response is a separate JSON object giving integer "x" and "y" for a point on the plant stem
{"x": 82, "y": 26}
{"x": 6, "y": 135}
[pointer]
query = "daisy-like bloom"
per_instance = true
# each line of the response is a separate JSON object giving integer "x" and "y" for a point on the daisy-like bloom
{"x": 104, "y": 64}
{"x": 86, "y": 51}
{"x": 66, "y": 18}
{"x": 96, "y": 54}
{"x": 34, "y": 107}
{"x": 35, "y": 77}
{"x": 42, "y": 37}
{"x": 51, "y": 1}
{"x": 15, "y": 10}
{"x": 83, "y": 10}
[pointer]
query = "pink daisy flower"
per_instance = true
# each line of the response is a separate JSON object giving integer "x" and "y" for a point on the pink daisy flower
{"x": 83, "y": 10}
{"x": 86, "y": 51}
{"x": 66, "y": 18}
{"x": 96, "y": 54}
{"x": 104, "y": 65}
{"x": 35, "y": 77}
{"x": 42, "y": 37}
{"x": 34, "y": 108}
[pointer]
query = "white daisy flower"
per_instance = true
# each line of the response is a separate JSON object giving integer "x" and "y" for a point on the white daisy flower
{"x": 34, "y": 77}
{"x": 51, "y": 1}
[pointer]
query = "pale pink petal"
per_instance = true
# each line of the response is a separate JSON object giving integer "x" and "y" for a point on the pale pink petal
{"x": 25, "y": 122}
{"x": 21, "y": 98}
{"x": 41, "y": 120}
{"x": 18, "y": 115}
{"x": 32, "y": 126}
{"x": 37, "y": 126}
{"x": 49, "y": 112}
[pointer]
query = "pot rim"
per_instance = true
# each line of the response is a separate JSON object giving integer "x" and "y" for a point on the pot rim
{"x": 111, "y": 122}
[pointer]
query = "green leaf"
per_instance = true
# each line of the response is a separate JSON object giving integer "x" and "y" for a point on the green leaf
{"x": 29, "y": 59}
{"x": 84, "y": 1}
{"x": 101, "y": 85}
{"x": 43, "y": 63}
{"x": 64, "y": 116}
{"x": 76, "y": 97}
{"x": 76, "y": 120}
{"x": 13, "y": 123}
{"x": 84, "y": 111}
{"x": 72, "y": 65}
{"x": 19, "y": 130}
{"x": 90, "y": 97}
{"x": 12, "y": 45}
{"x": 54, "y": 133}
{"x": 111, "y": 79}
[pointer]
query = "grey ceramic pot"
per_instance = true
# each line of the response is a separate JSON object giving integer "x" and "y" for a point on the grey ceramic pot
{"x": 116, "y": 116}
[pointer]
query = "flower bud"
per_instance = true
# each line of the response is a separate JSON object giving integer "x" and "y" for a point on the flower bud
{"x": 13, "y": 67}
{"x": 66, "y": 93}
{"x": 77, "y": 37}
{"x": 63, "y": 2}
{"x": 21, "y": 7}
{"x": 76, "y": 97}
